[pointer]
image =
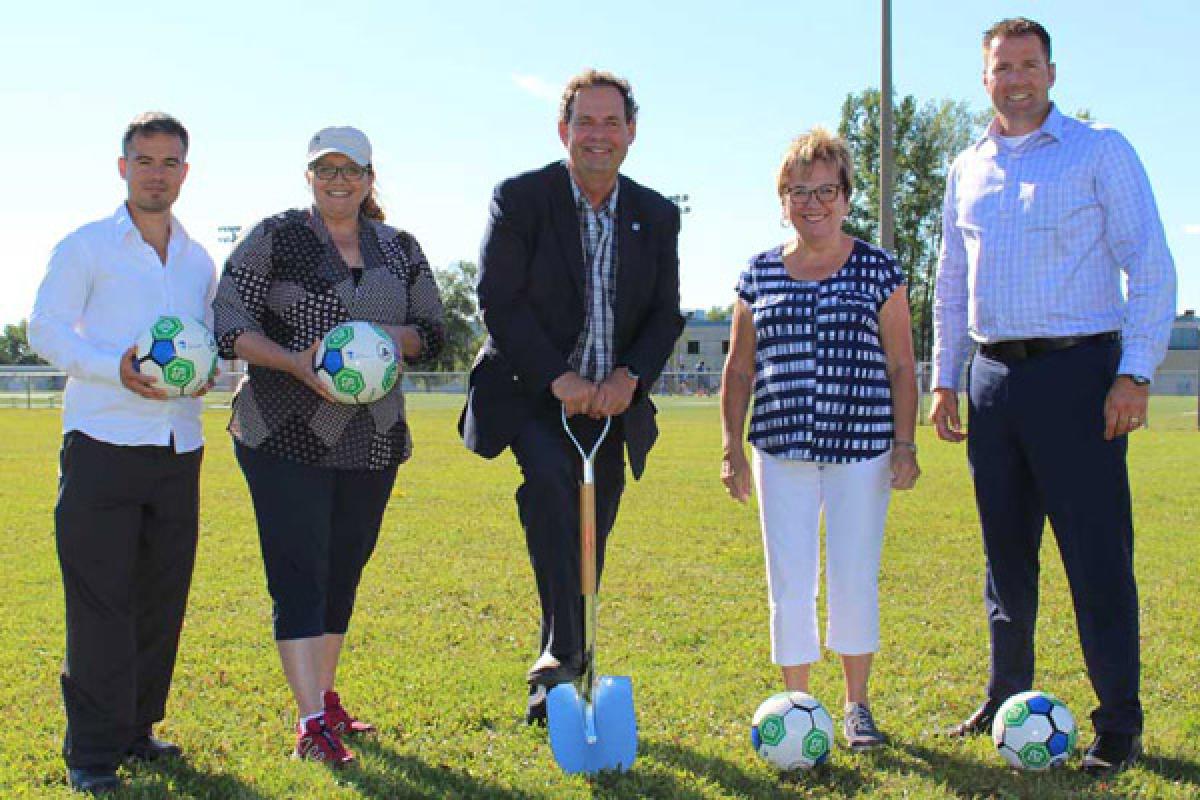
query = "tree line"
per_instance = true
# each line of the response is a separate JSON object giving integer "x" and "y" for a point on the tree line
{"x": 928, "y": 135}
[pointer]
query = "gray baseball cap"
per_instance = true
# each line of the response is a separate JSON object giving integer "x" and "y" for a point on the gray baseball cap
{"x": 350, "y": 142}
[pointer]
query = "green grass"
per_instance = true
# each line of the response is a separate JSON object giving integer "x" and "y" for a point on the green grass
{"x": 446, "y": 626}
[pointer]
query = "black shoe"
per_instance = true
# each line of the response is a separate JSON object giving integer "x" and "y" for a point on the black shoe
{"x": 93, "y": 780}
{"x": 540, "y": 683}
{"x": 978, "y": 724}
{"x": 535, "y": 711}
{"x": 1112, "y": 752}
{"x": 147, "y": 748}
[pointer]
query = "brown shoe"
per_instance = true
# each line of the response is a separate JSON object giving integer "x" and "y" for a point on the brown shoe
{"x": 978, "y": 724}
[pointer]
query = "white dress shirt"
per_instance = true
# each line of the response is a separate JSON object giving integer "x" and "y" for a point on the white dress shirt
{"x": 103, "y": 287}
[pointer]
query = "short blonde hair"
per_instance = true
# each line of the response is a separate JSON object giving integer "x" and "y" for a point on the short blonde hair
{"x": 817, "y": 144}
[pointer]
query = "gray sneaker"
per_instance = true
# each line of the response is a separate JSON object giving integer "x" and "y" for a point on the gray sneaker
{"x": 859, "y": 728}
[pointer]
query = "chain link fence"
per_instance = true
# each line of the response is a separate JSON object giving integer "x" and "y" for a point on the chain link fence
{"x": 1175, "y": 394}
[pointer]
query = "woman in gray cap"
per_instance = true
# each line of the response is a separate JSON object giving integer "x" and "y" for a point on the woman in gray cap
{"x": 320, "y": 472}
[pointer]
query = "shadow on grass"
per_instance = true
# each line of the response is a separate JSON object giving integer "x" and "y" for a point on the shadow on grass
{"x": 1173, "y": 769}
{"x": 175, "y": 777}
{"x": 967, "y": 777}
{"x": 702, "y": 770}
{"x": 405, "y": 776}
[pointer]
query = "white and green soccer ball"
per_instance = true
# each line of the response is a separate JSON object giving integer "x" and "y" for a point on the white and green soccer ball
{"x": 792, "y": 730}
{"x": 1034, "y": 730}
{"x": 179, "y": 353}
{"x": 357, "y": 362}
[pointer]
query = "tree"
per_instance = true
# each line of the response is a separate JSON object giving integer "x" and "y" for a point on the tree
{"x": 464, "y": 328}
{"x": 927, "y": 138}
{"x": 14, "y": 345}
{"x": 719, "y": 313}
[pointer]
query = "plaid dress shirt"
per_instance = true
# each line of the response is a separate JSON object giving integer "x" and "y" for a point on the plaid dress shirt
{"x": 592, "y": 357}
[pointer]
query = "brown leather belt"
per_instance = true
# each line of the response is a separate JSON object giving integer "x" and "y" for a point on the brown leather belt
{"x": 1021, "y": 349}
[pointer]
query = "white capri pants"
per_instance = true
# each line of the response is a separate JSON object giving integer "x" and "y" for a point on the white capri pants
{"x": 791, "y": 497}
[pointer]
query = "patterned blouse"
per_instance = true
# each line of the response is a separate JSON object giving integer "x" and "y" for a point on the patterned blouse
{"x": 821, "y": 390}
{"x": 287, "y": 281}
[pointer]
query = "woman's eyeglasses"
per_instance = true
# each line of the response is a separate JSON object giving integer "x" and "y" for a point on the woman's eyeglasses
{"x": 351, "y": 172}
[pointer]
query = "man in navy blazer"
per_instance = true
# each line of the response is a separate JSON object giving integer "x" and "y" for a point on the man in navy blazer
{"x": 579, "y": 289}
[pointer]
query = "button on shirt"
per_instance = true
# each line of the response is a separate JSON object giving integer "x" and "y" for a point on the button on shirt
{"x": 592, "y": 357}
{"x": 1035, "y": 238}
{"x": 103, "y": 287}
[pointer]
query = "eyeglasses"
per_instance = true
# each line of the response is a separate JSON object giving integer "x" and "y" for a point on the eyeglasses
{"x": 351, "y": 172}
{"x": 826, "y": 193}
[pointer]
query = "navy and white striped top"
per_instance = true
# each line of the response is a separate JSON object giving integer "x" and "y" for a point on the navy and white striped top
{"x": 821, "y": 390}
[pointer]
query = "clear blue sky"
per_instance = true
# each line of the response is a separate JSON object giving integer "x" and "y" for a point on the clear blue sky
{"x": 456, "y": 96}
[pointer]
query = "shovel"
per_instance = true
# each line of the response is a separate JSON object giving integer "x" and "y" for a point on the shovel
{"x": 591, "y": 721}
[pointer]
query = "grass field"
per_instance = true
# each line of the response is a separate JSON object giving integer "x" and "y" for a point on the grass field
{"x": 446, "y": 626}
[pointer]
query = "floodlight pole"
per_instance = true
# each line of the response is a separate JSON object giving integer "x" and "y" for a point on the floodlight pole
{"x": 887, "y": 220}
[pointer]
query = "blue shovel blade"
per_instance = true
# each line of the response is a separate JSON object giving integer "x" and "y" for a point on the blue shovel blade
{"x": 602, "y": 737}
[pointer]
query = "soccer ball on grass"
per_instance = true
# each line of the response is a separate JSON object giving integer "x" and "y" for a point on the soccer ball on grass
{"x": 792, "y": 730}
{"x": 1034, "y": 730}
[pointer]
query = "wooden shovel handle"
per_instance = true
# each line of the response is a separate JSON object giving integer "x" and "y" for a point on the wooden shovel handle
{"x": 587, "y": 538}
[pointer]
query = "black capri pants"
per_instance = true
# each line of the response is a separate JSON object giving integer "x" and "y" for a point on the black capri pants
{"x": 317, "y": 527}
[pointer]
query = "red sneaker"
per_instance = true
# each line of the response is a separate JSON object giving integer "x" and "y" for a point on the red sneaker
{"x": 316, "y": 742}
{"x": 339, "y": 720}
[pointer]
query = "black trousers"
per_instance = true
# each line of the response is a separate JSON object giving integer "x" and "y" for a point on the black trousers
{"x": 1037, "y": 450}
{"x": 126, "y": 529}
{"x": 317, "y": 527}
{"x": 548, "y": 504}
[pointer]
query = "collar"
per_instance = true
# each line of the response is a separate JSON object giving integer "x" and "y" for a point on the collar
{"x": 1051, "y": 126}
{"x": 317, "y": 223}
{"x": 608, "y": 207}
{"x": 123, "y": 228}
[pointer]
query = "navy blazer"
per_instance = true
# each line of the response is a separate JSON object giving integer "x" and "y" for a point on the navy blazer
{"x": 531, "y": 293}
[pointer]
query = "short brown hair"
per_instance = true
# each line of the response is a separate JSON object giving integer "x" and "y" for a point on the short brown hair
{"x": 817, "y": 145}
{"x": 590, "y": 78}
{"x": 151, "y": 122}
{"x": 1017, "y": 26}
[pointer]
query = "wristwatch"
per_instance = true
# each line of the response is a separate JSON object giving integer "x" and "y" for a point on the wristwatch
{"x": 1138, "y": 380}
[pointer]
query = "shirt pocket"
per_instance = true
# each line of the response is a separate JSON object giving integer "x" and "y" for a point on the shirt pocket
{"x": 850, "y": 309}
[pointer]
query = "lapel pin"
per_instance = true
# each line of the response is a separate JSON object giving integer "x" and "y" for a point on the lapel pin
{"x": 637, "y": 226}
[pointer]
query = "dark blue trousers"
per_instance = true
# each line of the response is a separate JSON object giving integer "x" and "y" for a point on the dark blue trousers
{"x": 1036, "y": 448}
{"x": 548, "y": 504}
{"x": 317, "y": 527}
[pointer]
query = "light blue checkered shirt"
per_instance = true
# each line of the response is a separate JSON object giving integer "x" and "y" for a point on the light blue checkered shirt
{"x": 1035, "y": 239}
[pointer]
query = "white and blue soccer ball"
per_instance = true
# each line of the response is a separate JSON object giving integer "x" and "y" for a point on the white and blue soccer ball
{"x": 179, "y": 353}
{"x": 1035, "y": 731}
{"x": 792, "y": 730}
{"x": 357, "y": 362}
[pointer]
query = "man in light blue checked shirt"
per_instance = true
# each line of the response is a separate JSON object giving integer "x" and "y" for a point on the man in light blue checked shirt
{"x": 1042, "y": 216}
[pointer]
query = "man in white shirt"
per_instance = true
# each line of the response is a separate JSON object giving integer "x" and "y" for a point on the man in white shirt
{"x": 127, "y": 514}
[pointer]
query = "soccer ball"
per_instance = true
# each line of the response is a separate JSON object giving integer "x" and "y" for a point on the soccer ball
{"x": 792, "y": 730}
{"x": 179, "y": 353}
{"x": 357, "y": 362}
{"x": 1034, "y": 730}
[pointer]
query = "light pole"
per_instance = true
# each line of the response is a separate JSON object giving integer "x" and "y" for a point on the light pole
{"x": 887, "y": 220}
{"x": 680, "y": 200}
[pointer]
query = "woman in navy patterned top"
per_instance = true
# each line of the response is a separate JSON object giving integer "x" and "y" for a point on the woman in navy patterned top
{"x": 822, "y": 340}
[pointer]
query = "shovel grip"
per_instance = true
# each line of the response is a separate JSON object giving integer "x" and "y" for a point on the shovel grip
{"x": 587, "y": 538}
